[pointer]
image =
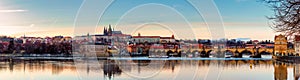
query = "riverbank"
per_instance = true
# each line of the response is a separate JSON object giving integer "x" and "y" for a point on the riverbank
{"x": 83, "y": 57}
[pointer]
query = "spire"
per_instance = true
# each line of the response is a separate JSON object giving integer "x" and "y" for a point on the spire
{"x": 109, "y": 30}
{"x": 104, "y": 31}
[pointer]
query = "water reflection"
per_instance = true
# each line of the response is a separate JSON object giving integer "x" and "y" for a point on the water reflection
{"x": 280, "y": 71}
{"x": 297, "y": 72}
{"x": 110, "y": 69}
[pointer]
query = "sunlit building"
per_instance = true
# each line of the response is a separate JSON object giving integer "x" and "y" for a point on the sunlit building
{"x": 142, "y": 39}
{"x": 297, "y": 44}
{"x": 167, "y": 39}
{"x": 153, "y": 39}
{"x": 280, "y": 45}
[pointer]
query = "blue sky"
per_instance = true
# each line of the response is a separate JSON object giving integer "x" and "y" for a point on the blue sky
{"x": 242, "y": 18}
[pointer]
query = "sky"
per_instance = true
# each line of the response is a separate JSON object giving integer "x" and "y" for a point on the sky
{"x": 241, "y": 18}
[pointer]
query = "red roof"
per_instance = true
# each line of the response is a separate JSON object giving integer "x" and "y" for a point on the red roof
{"x": 270, "y": 45}
{"x": 157, "y": 47}
{"x": 120, "y": 35}
{"x": 280, "y": 35}
{"x": 255, "y": 41}
{"x": 68, "y": 37}
{"x": 166, "y": 37}
{"x": 145, "y": 36}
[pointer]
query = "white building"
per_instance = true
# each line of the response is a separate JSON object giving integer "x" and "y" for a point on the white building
{"x": 167, "y": 39}
{"x": 142, "y": 39}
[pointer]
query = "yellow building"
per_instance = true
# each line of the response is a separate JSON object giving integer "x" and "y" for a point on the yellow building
{"x": 280, "y": 45}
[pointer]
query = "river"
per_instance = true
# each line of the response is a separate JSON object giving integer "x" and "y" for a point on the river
{"x": 157, "y": 69}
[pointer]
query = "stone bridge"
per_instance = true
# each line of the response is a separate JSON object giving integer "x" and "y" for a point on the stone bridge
{"x": 228, "y": 50}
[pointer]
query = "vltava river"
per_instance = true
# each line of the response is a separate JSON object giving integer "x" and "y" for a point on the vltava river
{"x": 151, "y": 70}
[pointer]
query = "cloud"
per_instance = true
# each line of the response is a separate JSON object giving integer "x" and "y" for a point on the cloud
{"x": 12, "y": 11}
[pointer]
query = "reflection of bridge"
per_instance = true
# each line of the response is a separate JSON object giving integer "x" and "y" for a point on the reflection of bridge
{"x": 230, "y": 50}
{"x": 171, "y": 64}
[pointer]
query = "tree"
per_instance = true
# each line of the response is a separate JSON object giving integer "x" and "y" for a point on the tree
{"x": 286, "y": 18}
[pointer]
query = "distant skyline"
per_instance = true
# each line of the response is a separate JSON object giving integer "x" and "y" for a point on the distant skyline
{"x": 242, "y": 18}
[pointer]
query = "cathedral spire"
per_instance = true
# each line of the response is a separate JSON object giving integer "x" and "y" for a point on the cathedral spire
{"x": 104, "y": 31}
{"x": 109, "y": 30}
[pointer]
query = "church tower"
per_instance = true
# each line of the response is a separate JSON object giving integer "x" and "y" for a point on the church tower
{"x": 109, "y": 30}
{"x": 104, "y": 31}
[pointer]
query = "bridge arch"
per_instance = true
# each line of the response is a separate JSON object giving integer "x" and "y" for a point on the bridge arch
{"x": 236, "y": 51}
{"x": 229, "y": 51}
{"x": 163, "y": 51}
{"x": 188, "y": 52}
{"x": 158, "y": 51}
{"x": 209, "y": 51}
{"x": 182, "y": 51}
{"x": 196, "y": 53}
{"x": 151, "y": 51}
{"x": 265, "y": 52}
{"x": 248, "y": 52}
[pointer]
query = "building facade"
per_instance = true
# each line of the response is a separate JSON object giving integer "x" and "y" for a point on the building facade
{"x": 164, "y": 40}
{"x": 143, "y": 39}
{"x": 297, "y": 44}
{"x": 153, "y": 39}
{"x": 280, "y": 45}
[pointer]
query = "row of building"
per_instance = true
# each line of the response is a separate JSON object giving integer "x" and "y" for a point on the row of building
{"x": 25, "y": 44}
{"x": 111, "y": 36}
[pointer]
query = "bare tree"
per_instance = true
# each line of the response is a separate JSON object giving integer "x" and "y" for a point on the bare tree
{"x": 286, "y": 18}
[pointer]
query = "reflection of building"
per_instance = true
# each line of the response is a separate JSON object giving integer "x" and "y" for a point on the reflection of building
{"x": 297, "y": 72}
{"x": 110, "y": 68}
{"x": 280, "y": 72}
{"x": 56, "y": 69}
{"x": 280, "y": 45}
{"x": 297, "y": 44}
